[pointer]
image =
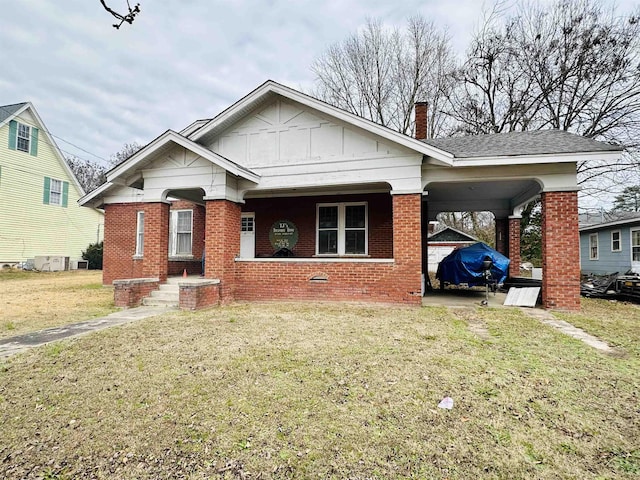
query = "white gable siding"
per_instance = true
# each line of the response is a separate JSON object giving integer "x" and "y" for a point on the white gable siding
{"x": 291, "y": 145}
{"x": 183, "y": 169}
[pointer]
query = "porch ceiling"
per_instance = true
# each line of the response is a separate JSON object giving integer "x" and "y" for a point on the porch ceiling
{"x": 499, "y": 197}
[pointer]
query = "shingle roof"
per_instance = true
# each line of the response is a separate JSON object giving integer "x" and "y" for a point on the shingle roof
{"x": 611, "y": 220}
{"x": 7, "y": 111}
{"x": 539, "y": 142}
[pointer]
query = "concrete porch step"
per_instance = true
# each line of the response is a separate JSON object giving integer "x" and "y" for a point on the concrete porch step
{"x": 160, "y": 302}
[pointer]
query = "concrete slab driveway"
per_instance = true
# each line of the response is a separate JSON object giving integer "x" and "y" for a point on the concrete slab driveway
{"x": 12, "y": 345}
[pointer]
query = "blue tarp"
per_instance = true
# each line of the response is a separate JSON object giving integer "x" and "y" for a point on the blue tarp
{"x": 464, "y": 265}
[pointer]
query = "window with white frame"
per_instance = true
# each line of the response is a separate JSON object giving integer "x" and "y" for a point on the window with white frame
{"x": 593, "y": 246}
{"x": 635, "y": 245}
{"x": 140, "y": 234}
{"x": 616, "y": 244}
{"x": 341, "y": 229}
{"x": 180, "y": 232}
{"x": 23, "y": 137}
{"x": 55, "y": 192}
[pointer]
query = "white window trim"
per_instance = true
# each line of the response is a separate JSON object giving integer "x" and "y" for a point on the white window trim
{"x": 27, "y": 139}
{"x": 139, "y": 234}
{"x": 58, "y": 192}
{"x": 173, "y": 232}
{"x": 631, "y": 231}
{"x": 342, "y": 229}
{"x": 591, "y": 257}
{"x": 619, "y": 249}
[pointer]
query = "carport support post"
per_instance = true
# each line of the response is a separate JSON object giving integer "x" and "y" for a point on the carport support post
{"x": 222, "y": 243}
{"x": 156, "y": 241}
{"x": 560, "y": 251}
{"x": 514, "y": 245}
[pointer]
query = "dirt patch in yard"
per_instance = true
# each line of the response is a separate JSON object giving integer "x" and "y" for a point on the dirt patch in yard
{"x": 32, "y": 301}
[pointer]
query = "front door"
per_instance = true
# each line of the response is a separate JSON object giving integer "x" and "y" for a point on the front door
{"x": 248, "y": 235}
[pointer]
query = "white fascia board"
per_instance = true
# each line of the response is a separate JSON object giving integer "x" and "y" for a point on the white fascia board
{"x": 88, "y": 198}
{"x": 347, "y": 117}
{"x": 171, "y": 136}
{"x": 545, "y": 158}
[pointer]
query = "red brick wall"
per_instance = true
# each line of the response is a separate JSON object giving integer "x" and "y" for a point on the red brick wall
{"x": 223, "y": 244}
{"x": 120, "y": 242}
{"x": 302, "y": 212}
{"x": 197, "y": 296}
{"x": 514, "y": 247}
{"x": 156, "y": 241}
{"x": 397, "y": 282}
{"x": 130, "y": 294}
{"x": 560, "y": 251}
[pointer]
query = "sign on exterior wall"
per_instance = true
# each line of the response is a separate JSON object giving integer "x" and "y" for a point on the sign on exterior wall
{"x": 283, "y": 234}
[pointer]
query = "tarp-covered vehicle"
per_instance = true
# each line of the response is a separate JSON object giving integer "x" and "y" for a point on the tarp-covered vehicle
{"x": 465, "y": 265}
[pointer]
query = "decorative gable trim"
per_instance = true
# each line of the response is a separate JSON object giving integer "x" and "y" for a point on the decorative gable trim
{"x": 140, "y": 158}
{"x": 262, "y": 94}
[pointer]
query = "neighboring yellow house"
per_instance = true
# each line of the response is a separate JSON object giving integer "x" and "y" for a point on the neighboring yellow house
{"x": 39, "y": 213}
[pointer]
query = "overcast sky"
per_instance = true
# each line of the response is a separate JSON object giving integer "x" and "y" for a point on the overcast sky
{"x": 181, "y": 60}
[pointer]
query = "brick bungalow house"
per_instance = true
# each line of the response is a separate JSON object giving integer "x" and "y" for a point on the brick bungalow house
{"x": 342, "y": 202}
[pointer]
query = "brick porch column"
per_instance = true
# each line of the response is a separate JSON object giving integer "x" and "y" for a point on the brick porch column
{"x": 156, "y": 240}
{"x": 514, "y": 246}
{"x": 407, "y": 247}
{"x": 222, "y": 243}
{"x": 560, "y": 251}
{"x": 502, "y": 244}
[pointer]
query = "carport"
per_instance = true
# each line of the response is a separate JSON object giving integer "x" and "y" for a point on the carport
{"x": 501, "y": 174}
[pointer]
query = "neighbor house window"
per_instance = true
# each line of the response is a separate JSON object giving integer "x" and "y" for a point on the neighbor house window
{"x": 180, "y": 232}
{"x": 23, "y": 138}
{"x": 635, "y": 245}
{"x": 24, "y": 135}
{"x": 342, "y": 229}
{"x": 140, "y": 234}
{"x": 615, "y": 241}
{"x": 56, "y": 192}
{"x": 593, "y": 246}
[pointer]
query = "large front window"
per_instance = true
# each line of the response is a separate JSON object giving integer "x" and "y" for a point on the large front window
{"x": 342, "y": 229}
{"x": 180, "y": 232}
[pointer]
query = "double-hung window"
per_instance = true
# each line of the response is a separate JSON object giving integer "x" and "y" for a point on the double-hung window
{"x": 140, "y": 234}
{"x": 23, "y": 138}
{"x": 56, "y": 192}
{"x": 180, "y": 232}
{"x": 635, "y": 245}
{"x": 593, "y": 246}
{"x": 616, "y": 245}
{"x": 341, "y": 229}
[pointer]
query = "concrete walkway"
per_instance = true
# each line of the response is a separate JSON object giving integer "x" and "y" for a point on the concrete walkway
{"x": 12, "y": 345}
{"x": 568, "y": 329}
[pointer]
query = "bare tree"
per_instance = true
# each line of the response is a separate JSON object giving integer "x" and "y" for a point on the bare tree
{"x": 379, "y": 73}
{"x": 91, "y": 174}
{"x": 127, "y": 17}
{"x": 572, "y": 66}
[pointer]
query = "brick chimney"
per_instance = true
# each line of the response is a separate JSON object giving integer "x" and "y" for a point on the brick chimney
{"x": 421, "y": 120}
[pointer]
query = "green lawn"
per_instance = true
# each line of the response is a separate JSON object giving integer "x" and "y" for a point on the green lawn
{"x": 328, "y": 391}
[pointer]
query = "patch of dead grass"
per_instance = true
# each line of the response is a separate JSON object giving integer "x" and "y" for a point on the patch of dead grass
{"x": 324, "y": 391}
{"x": 35, "y": 300}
